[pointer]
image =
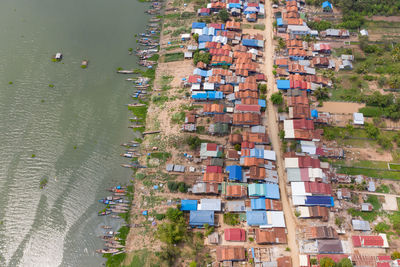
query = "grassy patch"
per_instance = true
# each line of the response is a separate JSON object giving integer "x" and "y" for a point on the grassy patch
{"x": 178, "y": 117}
{"x": 116, "y": 260}
{"x": 373, "y": 199}
{"x": 173, "y": 57}
{"x": 154, "y": 57}
{"x": 367, "y": 216}
{"x": 160, "y": 155}
{"x": 259, "y": 27}
{"x": 383, "y": 189}
{"x": 394, "y": 166}
{"x": 231, "y": 218}
{"x": 370, "y": 173}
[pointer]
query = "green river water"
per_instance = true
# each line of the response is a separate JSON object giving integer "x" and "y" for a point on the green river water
{"x": 74, "y": 129}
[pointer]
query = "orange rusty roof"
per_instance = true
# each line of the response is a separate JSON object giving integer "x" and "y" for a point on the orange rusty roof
{"x": 231, "y": 253}
{"x": 271, "y": 236}
{"x": 236, "y": 191}
{"x": 212, "y": 177}
{"x": 232, "y": 25}
{"x": 215, "y": 108}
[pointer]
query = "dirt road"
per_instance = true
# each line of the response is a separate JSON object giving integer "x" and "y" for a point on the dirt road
{"x": 271, "y": 122}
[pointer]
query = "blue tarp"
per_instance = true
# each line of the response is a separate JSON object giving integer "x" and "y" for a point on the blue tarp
{"x": 198, "y": 25}
{"x": 188, "y": 204}
{"x": 279, "y": 22}
{"x": 256, "y": 217}
{"x": 202, "y": 46}
{"x": 235, "y": 172}
{"x": 215, "y": 95}
{"x": 327, "y": 4}
{"x": 202, "y": 73}
{"x": 251, "y": 42}
{"x": 258, "y": 204}
{"x": 257, "y": 153}
{"x": 208, "y": 31}
{"x": 234, "y": 5}
{"x": 272, "y": 191}
{"x": 283, "y": 84}
{"x": 262, "y": 103}
{"x": 326, "y": 201}
{"x": 205, "y": 38}
{"x": 201, "y": 217}
{"x": 314, "y": 113}
{"x": 199, "y": 95}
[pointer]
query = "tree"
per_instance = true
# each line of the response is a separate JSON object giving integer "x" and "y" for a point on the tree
{"x": 277, "y": 98}
{"x": 171, "y": 233}
{"x": 193, "y": 264}
{"x": 169, "y": 254}
{"x": 350, "y": 129}
{"x": 223, "y": 15}
{"x": 394, "y": 82}
{"x": 196, "y": 37}
{"x": 174, "y": 215}
{"x": 321, "y": 93}
{"x": 372, "y": 130}
{"x": 395, "y": 255}
{"x": 326, "y": 262}
{"x": 345, "y": 262}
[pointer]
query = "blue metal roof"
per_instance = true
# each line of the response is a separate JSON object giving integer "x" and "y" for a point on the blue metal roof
{"x": 205, "y": 38}
{"x": 215, "y": 95}
{"x": 279, "y": 22}
{"x": 201, "y": 217}
{"x": 262, "y": 103}
{"x": 235, "y": 172}
{"x": 188, "y": 204}
{"x": 258, "y": 204}
{"x": 199, "y": 95}
{"x": 326, "y": 201}
{"x": 327, "y": 4}
{"x": 252, "y": 42}
{"x": 272, "y": 191}
{"x": 283, "y": 84}
{"x": 257, "y": 153}
{"x": 234, "y": 5}
{"x": 256, "y": 217}
{"x": 314, "y": 113}
{"x": 198, "y": 25}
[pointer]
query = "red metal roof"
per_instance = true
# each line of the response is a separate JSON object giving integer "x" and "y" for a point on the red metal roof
{"x": 212, "y": 147}
{"x": 247, "y": 108}
{"x": 194, "y": 79}
{"x": 235, "y": 234}
{"x": 214, "y": 169}
{"x": 367, "y": 241}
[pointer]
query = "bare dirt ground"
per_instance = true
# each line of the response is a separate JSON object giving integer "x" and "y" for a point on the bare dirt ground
{"x": 384, "y": 18}
{"x": 368, "y": 154}
{"x": 273, "y": 128}
{"x": 340, "y": 107}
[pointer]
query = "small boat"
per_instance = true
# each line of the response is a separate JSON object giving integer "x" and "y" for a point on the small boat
{"x": 84, "y": 64}
{"x": 136, "y": 105}
{"x": 104, "y": 213}
{"x": 115, "y": 216}
{"x": 107, "y": 251}
{"x": 135, "y": 126}
{"x": 122, "y": 194}
{"x": 127, "y": 166}
{"x": 125, "y": 71}
{"x": 109, "y": 238}
{"x": 119, "y": 211}
{"x": 113, "y": 245}
{"x": 57, "y": 57}
{"x": 106, "y": 227}
{"x": 131, "y": 79}
{"x": 119, "y": 252}
{"x": 133, "y": 119}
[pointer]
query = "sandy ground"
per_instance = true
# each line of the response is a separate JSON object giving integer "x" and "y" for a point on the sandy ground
{"x": 383, "y": 18}
{"x": 273, "y": 128}
{"x": 340, "y": 107}
{"x": 367, "y": 154}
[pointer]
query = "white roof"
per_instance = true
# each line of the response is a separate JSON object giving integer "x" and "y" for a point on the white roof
{"x": 303, "y": 260}
{"x": 289, "y": 129}
{"x": 269, "y": 155}
{"x": 358, "y": 118}
{"x": 298, "y": 200}
{"x": 275, "y": 219}
{"x": 297, "y": 28}
{"x": 185, "y": 35}
{"x": 210, "y": 204}
{"x": 299, "y": 189}
{"x": 291, "y": 163}
{"x": 304, "y": 212}
{"x": 308, "y": 147}
{"x": 198, "y": 31}
{"x": 208, "y": 86}
{"x": 188, "y": 54}
{"x": 195, "y": 86}
{"x": 360, "y": 225}
{"x": 364, "y": 32}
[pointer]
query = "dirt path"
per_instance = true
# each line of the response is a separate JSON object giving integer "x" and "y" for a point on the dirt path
{"x": 271, "y": 122}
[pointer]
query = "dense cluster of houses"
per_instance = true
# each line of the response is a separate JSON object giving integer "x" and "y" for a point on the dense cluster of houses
{"x": 240, "y": 178}
{"x": 309, "y": 178}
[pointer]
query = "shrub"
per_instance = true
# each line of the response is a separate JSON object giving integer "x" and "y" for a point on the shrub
{"x": 277, "y": 98}
{"x": 160, "y": 216}
{"x": 231, "y": 218}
